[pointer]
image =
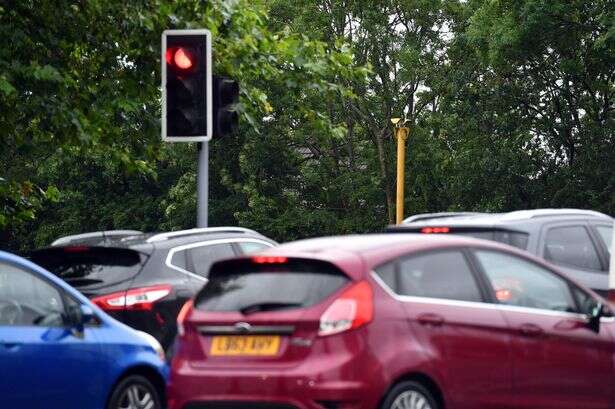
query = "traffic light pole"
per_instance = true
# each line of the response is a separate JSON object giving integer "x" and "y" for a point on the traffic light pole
{"x": 202, "y": 185}
{"x": 401, "y": 134}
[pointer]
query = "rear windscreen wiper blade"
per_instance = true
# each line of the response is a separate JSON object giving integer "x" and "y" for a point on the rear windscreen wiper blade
{"x": 77, "y": 281}
{"x": 267, "y": 306}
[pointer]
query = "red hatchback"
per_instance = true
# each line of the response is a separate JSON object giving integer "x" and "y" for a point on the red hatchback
{"x": 393, "y": 322}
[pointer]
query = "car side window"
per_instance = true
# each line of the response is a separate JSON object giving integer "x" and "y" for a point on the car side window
{"x": 572, "y": 246}
{"x": 248, "y": 247}
{"x": 606, "y": 234}
{"x": 522, "y": 283}
{"x": 26, "y": 300}
{"x": 179, "y": 259}
{"x": 202, "y": 257}
{"x": 442, "y": 274}
{"x": 388, "y": 274}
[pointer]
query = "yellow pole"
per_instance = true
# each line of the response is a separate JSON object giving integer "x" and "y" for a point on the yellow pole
{"x": 401, "y": 133}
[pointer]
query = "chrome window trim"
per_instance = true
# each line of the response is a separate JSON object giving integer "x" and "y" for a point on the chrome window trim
{"x": 473, "y": 304}
{"x": 174, "y": 250}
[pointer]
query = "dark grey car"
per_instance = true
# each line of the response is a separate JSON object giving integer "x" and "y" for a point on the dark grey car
{"x": 577, "y": 241}
{"x": 143, "y": 279}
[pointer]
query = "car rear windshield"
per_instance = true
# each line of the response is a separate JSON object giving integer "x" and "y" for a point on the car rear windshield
{"x": 512, "y": 238}
{"x": 516, "y": 239}
{"x": 90, "y": 267}
{"x": 248, "y": 287}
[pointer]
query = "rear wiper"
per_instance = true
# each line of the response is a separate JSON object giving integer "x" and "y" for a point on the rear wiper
{"x": 83, "y": 281}
{"x": 267, "y": 306}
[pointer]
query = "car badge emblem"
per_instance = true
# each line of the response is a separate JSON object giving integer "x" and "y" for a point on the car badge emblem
{"x": 243, "y": 327}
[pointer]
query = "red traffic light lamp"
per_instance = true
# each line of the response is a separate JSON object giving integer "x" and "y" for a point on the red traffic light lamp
{"x": 187, "y": 109}
{"x": 181, "y": 58}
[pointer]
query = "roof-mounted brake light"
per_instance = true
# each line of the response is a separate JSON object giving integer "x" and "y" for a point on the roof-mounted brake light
{"x": 269, "y": 260}
{"x": 431, "y": 230}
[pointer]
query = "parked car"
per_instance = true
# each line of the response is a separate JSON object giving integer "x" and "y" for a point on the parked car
{"x": 144, "y": 279}
{"x": 58, "y": 350}
{"x": 577, "y": 241}
{"x": 393, "y": 321}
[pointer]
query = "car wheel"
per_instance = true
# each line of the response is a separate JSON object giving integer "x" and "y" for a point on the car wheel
{"x": 409, "y": 395}
{"x": 134, "y": 392}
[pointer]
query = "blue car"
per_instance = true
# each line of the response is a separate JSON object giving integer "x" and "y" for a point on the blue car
{"x": 58, "y": 350}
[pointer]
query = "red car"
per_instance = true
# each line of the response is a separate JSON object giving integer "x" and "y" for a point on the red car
{"x": 389, "y": 321}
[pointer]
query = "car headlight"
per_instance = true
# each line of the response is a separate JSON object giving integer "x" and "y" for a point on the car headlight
{"x": 153, "y": 343}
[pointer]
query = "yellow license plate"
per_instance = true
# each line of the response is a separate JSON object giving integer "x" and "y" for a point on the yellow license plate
{"x": 245, "y": 345}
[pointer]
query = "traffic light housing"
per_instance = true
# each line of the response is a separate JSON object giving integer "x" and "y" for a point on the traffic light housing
{"x": 187, "y": 107}
{"x": 225, "y": 98}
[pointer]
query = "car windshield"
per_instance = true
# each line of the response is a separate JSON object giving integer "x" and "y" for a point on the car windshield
{"x": 267, "y": 288}
{"x": 90, "y": 267}
{"x": 511, "y": 238}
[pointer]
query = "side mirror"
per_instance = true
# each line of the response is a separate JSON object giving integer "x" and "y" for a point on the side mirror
{"x": 79, "y": 316}
{"x": 87, "y": 314}
{"x": 593, "y": 322}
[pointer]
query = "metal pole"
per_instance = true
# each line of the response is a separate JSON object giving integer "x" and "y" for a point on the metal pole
{"x": 401, "y": 133}
{"x": 202, "y": 185}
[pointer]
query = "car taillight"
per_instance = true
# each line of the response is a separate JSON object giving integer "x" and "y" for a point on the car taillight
{"x": 181, "y": 317}
{"x": 352, "y": 309}
{"x": 269, "y": 260}
{"x": 436, "y": 230}
{"x": 134, "y": 299}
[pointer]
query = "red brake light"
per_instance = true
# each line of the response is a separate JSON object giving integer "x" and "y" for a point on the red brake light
{"x": 430, "y": 230}
{"x": 269, "y": 260}
{"x": 181, "y": 317}
{"x": 134, "y": 299}
{"x": 352, "y": 309}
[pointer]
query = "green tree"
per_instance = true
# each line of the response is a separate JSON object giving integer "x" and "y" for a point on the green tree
{"x": 554, "y": 63}
{"x": 80, "y": 110}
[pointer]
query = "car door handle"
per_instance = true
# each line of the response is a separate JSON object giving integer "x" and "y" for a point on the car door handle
{"x": 430, "y": 319}
{"x": 531, "y": 330}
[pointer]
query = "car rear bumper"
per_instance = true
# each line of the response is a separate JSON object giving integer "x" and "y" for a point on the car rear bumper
{"x": 267, "y": 390}
{"x": 323, "y": 380}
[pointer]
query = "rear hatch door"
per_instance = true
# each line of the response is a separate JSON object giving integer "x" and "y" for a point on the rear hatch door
{"x": 264, "y": 310}
{"x": 92, "y": 270}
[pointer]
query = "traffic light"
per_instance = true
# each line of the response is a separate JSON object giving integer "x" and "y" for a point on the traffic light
{"x": 225, "y": 98}
{"x": 186, "y": 86}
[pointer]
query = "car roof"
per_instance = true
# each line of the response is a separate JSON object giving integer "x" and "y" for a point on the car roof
{"x": 147, "y": 241}
{"x": 356, "y": 254}
{"x": 360, "y": 254}
{"x": 95, "y": 237}
{"x": 517, "y": 218}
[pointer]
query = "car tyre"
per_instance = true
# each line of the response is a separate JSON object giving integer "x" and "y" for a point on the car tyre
{"x": 409, "y": 395}
{"x": 134, "y": 392}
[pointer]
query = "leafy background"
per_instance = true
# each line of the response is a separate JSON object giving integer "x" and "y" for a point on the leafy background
{"x": 510, "y": 104}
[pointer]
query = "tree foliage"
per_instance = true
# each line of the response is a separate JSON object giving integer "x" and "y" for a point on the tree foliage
{"x": 81, "y": 105}
{"x": 510, "y": 104}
